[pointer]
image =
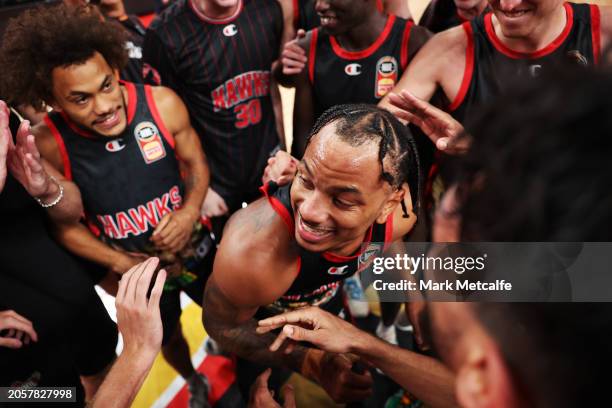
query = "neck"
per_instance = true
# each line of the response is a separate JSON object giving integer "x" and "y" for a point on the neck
{"x": 543, "y": 34}
{"x": 115, "y": 11}
{"x": 473, "y": 12}
{"x": 365, "y": 34}
{"x": 213, "y": 10}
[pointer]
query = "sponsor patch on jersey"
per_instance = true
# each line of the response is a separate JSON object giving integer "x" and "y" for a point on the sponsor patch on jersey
{"x": 115, "y": 145}
{"x": 386, "y": 76}
{"x": 230, "y": 30}
{"x": 338, "y": 270}
{"x": 366, "y": 257}
{"x": 150, "y": 142}
{"x": 353, "y": 69}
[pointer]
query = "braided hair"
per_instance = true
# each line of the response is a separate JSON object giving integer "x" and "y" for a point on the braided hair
{"x": 357, "y": 124}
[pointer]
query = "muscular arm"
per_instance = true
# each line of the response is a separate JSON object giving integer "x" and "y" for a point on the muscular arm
{"x": 303, "y": 110}
{"x": 247, "y": 274}
{"x": 397, "y": 7}
{"x": 187, "y": 147}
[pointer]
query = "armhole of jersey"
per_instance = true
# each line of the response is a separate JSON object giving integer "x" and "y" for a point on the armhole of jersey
{"x": 91, "y": 226}
{"x": 296, "y": 14}
{"x": 312, "y": 53}
{"x": 595, "y": 32}
{"x": 158, "y": 120}
{"x": 469, "y": 68}
{"x": 299, "y": 265}
{"x": 279, "y": 208}
{"x": 388, "y": 231}
{"x": 60, "y": 145}
{"x": 404, "y": 53}
{"x": 132, "y": 100}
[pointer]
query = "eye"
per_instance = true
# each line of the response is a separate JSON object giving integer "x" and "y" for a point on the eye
{"x": 108, "y": 86}
{"x": 81, "y": 100}
{"x": 342, "y": 204}
{"x": 306, "y": 183}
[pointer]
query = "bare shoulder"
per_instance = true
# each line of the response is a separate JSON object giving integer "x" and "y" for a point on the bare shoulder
{"x": 257, "y": 258}
{"x": 606, "y": 26}
{"x": 171, "y": 108}
{"x": 448, "y": 44}
{"x": 47, "y": 146}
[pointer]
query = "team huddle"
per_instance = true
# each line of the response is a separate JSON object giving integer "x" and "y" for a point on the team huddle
{"x": 155, "y": 161}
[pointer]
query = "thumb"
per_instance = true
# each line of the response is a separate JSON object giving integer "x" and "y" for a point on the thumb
{"x": 298, "y": 333}
{"x": 443, "y": 143}
{"x": 288, "y": 394}
{"x": 301, "y": 33}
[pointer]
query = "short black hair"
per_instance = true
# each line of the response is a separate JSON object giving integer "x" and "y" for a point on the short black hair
{"x": 47, "y": 37}
{"x": 539, "y": 165}
{"x": 357, "y": 124}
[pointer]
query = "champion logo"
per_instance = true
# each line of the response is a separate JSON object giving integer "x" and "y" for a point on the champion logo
{"x": 338, "y": 270}
{"x": 353, "y": 69}
{"x": 230, "y": 30}
{"x": 115, "y": 145}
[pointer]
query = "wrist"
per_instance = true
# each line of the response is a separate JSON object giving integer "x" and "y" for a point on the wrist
{"x": 51, "y": 191}
{"x": 139, "y": 356}
{"x": 193, "y": 212}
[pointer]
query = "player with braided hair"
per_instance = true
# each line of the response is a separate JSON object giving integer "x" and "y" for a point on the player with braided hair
{"x": 295, "y": 246}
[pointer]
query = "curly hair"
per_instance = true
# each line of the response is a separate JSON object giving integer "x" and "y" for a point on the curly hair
{"x": 357, "y": 124}
{"x": 539, "y": 168}
{"x": 44, "y": 38}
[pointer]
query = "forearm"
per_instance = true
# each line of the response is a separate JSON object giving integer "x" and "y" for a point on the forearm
{"x": 288, "y": 81}
{"x": 277, "y": 105}
{"x": 80, "y": 241}
{"x": 197, "y": 179}
{"x": 425, "y": 377}
{"x": 124, "y": 380}
{"x": 69, "y": 208}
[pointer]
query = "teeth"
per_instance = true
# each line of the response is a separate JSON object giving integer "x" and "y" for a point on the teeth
{"x": 316, "y": 231}
{"x": 514, "y": 13}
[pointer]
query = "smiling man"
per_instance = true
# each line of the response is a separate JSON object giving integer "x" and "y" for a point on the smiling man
{"x": 294, "y": 247}
{"x": 120, "y": 143}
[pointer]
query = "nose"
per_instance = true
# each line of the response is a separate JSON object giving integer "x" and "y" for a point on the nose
{"x": 321, "y": 6}
{"x": 103, "y": 104}
{"x": 312, "y": 209}
{"x": 509, "y": 5}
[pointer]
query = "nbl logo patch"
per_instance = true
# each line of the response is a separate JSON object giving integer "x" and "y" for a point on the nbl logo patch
{"x": 386, "y": 76}
{"x": 150, "y": 142}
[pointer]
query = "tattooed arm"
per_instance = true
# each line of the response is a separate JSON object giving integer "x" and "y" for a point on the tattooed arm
{"x": 256, "y": 263}
{"x": 174, "y": 230}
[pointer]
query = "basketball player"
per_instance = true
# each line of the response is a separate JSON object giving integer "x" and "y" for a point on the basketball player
{"x": 120, "y": 143}
{"x": 472, "y": 63}
{"x": 218, "y": 55}
{"x": 305, "y": 238}
{"x": 357, "y": 56}
{"x": 441, "y": 15}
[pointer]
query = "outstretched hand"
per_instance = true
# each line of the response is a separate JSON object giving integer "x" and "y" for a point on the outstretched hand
{"x": 262, "y": 397}
{"x": 18, "y": 330}
{"x": 439, "y": 126}
{"x": 6, "y": 142}
{"x": 293, "y": 56}
{"x": 281, "y": 168}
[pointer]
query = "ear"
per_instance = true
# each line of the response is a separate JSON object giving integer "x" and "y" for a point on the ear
{"x": 394, "y": 201}
{"x": 484, "y": 380}
{"x": 55, "y": 106}
{"x": 116, "y": 74}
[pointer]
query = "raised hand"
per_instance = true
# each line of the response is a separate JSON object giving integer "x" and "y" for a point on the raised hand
{"x": 19, "y": 330}
{"x": 293, "y": 56}
{"x": 439, "y": 126}
{"x": 6, "y": 142}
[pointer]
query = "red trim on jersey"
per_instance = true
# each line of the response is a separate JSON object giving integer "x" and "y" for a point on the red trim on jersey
{"x": 379, "y": 5}
{"x": 356, "y": 55}
{"x": 132, "y": 100}
{"x": 92, "y": 227}
{"x": 405, "y": 44}
{"x": 340, "y": 259}
{"x": 595, "y": 32}
{"x": 75, "y": 128}
{"x": 60, "y": 145}
{"x": 312, "y": 54}
{"x": 158, "y": 120}
{"x": 279, "y": 208}
{"x": 469, "y": 67}
{"x": 388, "y": 231}
{"x": 211, "y": 20}
{"x": 501, "y": 47}
{"x": 296, "y": 14}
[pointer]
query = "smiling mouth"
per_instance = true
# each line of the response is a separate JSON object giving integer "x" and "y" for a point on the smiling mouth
{"x": 327, "y": 20}
{"x": 108, "y": 121}
{"x": 309, "y": 233}
{"x": 514, "y": 13}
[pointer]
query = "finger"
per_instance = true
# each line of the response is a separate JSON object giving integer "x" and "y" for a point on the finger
{"x": 288, "y": 394}
{"x": 123, "y": 284}
{"x": 162, "y": 224}
{"x": 30, "y": 147}
{"x": 17, "y": 325}
{"x": 32, "y": 163}
{"x": 130, "y": 295}
{"x": 11, "y": 333}
{"x": 298, "y": 333}
{"x": 301, "y": 33}
{"x": 262, "y": 380}
{"x": 278, "y": 342}
{"x": 22, "y": 133}
{"x": 289, "y": 346}
{"x": 142, "y": 286}
{"x": 10, "y": 343}
{"x": 306, "y": 315}
{"x": 360, "y": 381}
{"x": 158, "y": 289}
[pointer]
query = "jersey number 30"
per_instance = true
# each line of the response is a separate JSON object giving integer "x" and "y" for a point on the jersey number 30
{"x": 248, "y": 113}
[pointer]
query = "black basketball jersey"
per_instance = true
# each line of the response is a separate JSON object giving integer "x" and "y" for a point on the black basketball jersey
{"x": 133, "y": 71}
{"x": 127, "y": 183}
{"x": 320, "y": 275}
{"x": 306, "y": 17}
{"x": 440, "y": 15}
{"x": 491, "y": 67}
{"x": 221, "y": 69}
{"x": 339, "y": 76}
